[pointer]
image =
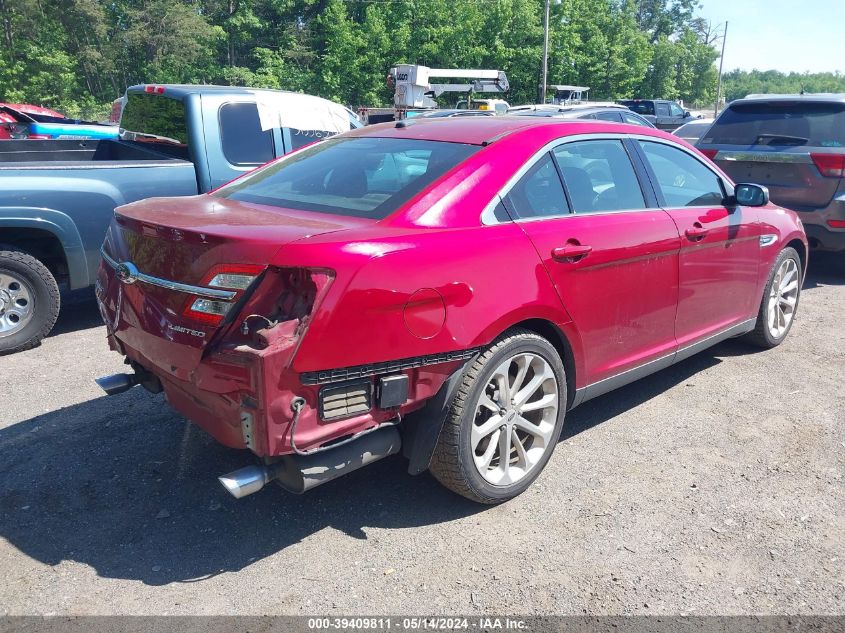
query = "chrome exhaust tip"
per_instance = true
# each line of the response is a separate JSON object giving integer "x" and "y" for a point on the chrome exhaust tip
{"x": 116, "y": 383}
{"x": 245, "y": 481}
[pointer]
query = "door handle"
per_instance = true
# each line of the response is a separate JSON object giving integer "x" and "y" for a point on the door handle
{"x": 571, "y": 252}
{"x": 696, "y": 232}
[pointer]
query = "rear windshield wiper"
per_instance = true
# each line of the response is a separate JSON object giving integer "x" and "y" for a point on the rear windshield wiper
{"x": 786, "y": 139}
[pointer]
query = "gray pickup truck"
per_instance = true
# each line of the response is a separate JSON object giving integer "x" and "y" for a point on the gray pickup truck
{"x": 662, "y": 113}
{"x": 57, "y": 197}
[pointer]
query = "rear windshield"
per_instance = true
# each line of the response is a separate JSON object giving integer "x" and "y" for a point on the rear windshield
{"x": 361, "y": 177}
{"x": 781, "y": 123}
{"x": 640, "y": 107}
{"x": 155, "y": 120}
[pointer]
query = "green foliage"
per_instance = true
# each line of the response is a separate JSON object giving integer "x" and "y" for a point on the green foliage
{"x": 79, "y": 55}
{"x": 737, "y": 83}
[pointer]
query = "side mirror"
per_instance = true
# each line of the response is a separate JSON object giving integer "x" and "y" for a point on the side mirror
{"x": 687, "y": 114}
{"x": 751, "y": 195}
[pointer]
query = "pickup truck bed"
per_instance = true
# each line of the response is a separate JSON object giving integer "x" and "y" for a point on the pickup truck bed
{"x": 57, "y": 197}
{"x": 30, "y": 154}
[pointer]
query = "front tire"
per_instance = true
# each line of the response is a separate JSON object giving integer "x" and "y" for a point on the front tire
{"x": 504, "y": 421}
{"x": 29, "y": 301}
{"x": 780, "y": 301}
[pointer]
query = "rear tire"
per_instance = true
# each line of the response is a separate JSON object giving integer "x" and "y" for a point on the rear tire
{"x": 29, "y": 301}
{"x": 779, "y": 304}
{"x": 512, "y": 400}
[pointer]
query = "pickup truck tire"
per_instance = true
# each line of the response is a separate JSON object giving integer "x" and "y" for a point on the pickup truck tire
{"x": 29, "y": 301}
{"x": 512, "y": 401}
{"x": 780, "y": 301}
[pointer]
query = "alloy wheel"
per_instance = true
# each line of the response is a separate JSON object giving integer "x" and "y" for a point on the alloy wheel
{"x": 514, "y": 419}
{"x": 783, "y": 298}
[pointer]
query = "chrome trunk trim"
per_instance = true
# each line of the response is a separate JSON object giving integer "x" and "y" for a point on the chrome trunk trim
{"x": 128, "y": 273}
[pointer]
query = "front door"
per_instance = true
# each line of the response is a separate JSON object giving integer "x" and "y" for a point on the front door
{"x": 719, "y": 245}
{"x": 612, "y": 259}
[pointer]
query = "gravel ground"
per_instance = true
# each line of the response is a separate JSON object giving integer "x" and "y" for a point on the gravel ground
{"x": 714, "y": 487}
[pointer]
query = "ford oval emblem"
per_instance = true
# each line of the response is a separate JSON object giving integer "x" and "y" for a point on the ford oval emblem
{"x": 127, "y": 273}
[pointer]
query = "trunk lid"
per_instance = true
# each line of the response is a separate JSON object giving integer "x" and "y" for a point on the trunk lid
{"x": 185, "y": 241}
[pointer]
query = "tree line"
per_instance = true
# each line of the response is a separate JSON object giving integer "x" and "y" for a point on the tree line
{"x": 79, "y": 55}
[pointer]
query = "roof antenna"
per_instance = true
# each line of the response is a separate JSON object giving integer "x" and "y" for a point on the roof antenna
{"x": 802, "y": 89}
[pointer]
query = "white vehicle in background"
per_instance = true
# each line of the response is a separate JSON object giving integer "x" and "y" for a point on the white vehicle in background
{"x": 569, "y": 95}
{"x": 693, "y": 130}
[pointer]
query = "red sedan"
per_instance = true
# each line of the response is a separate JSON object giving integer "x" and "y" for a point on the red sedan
{"x": 448, "y": 288}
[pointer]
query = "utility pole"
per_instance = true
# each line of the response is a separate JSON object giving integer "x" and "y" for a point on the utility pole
{"x": 721, "y": 63}
{"x": 545, "y": 54}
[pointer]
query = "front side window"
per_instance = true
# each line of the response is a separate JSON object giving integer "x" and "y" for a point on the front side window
{"x": 301, "y": 138}
{"x": 683, "y": 180}
{"x": 241, "y": 136}
{"x": 676, "y": 109}
{"x": 599, "y": 176}
{"x": 361, "y": 177}
{"x": 539, "y": 194}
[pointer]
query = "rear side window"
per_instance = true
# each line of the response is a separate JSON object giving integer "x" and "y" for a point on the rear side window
{"x": 634, "y": 119}
{"x": 539, "y": 193}
{"x": 156, "y": 120}
{"x": 609, "y": 116}
{"x": 361, "y": 177}
{"x": 243, "y": 141}
{"x": 683, "y": 180}
{"x": 599, "y": 176}
{"x": 780, "y": 123}
{"x": 662, "y": 109}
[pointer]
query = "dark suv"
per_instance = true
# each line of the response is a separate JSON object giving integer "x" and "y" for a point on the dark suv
{"x": 795, "y": 146}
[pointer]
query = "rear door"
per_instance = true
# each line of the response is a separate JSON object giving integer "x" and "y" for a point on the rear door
{"x": 788, "y": 146}
{"x": 663, "y": 116}
{"x": 610, "y": 253}
{"x": 676, "y": 116}
{"x": 720, "y": 245}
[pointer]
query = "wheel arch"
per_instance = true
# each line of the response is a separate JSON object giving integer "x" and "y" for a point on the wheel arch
{"x": 558, "y": 339}
{"x": 51, "y": 237}
{"x": 801, "y": 249}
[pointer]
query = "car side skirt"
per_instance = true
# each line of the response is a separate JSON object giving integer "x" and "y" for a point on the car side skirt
{"x": 619, "y": 380}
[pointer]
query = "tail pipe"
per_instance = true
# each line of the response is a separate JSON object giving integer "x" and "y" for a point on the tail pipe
{"x": 300, "y": 473}
{"x": 117, "y": 383}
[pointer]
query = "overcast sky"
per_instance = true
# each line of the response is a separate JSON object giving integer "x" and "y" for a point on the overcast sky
{"x": 785, "y": 35}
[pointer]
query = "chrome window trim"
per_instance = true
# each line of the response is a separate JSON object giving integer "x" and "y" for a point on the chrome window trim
{"x": 488, "y": 217}
{"x": 199, "y": 291}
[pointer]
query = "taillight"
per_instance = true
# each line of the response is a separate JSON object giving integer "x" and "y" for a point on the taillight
{"x": 709, "y": 153}
{"x": 154, "y": 89}
{"x": 830, "y": 165}
{"x": 236, "y": 277}
{"x": 836, "y": 224}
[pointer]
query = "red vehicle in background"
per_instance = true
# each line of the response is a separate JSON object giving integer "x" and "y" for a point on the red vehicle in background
{"x": 448, "y": 288}
{"x": 14, "y": 115}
